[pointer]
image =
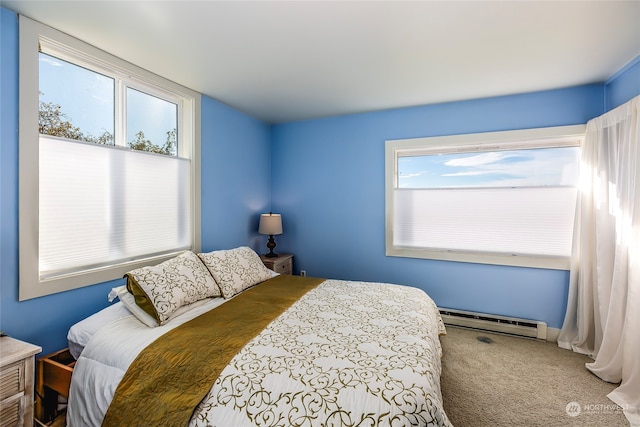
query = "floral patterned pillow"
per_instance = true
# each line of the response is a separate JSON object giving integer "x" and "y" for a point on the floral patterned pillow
{"x": 236, "y": 269}
{"x": 162, "y": 289}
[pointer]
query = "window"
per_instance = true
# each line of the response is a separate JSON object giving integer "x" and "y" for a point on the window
{"x": 504, "y": 198}
{"x": 109, "y": 170}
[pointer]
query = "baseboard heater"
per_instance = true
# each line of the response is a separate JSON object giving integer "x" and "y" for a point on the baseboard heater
{"x": 492, "y": 323}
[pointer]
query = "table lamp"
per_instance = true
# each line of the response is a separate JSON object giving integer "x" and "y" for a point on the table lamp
{"x": 270, "y": 224}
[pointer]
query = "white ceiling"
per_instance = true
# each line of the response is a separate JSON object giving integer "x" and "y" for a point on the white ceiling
{"x": 287, "y": 61}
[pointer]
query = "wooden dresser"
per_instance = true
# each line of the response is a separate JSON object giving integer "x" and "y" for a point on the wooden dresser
{"x": 17, "y": 362}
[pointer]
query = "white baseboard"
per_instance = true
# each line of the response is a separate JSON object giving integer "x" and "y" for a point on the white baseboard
{"x": 552, "y": 334}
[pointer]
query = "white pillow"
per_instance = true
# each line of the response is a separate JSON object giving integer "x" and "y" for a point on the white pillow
{"x": 129, "y": 303}
{"x": 236, "y": 269}
{"x": 162, "y": 289}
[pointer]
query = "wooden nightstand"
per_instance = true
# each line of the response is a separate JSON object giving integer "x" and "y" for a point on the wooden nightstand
{"x": 53, "y": 379}
{"x": 282, "y": 264}
{"x": 16, "y": 382}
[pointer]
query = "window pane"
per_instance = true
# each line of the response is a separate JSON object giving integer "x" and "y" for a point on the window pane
{"x": 492, "y": 169}
{"x": 75, "y": 103}
{"x": 152, "y": 123}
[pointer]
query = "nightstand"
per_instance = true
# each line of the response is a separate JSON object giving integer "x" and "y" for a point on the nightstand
{"x": 16, "y": 381}
{"x": 53, "y": 380}
{"x": 282, "y": 264}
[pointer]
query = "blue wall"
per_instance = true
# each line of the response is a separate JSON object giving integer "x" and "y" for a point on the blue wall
{"x": 236, "y": 177}
{"x": 327, "y": 179}
{"x": 623, "y": 85}
{"x": 235, "y": 190}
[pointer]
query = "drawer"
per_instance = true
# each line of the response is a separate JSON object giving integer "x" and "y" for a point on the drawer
{"x": 57, "y": 369}
{"x": 283, "y": 267}
{"x": 11, "y": 412}
{"x": 53, "y": 380}
{"x": 12, "y": 379}
{"x": 282, "y": 264}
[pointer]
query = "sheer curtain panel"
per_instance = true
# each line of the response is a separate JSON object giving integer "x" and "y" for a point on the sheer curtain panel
{"x": 603, "y": 309}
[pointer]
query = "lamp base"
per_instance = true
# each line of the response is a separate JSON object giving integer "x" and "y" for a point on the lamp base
{"x": 271, "y": 244}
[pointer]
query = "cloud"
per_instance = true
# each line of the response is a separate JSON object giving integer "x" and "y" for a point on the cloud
{"x": 51, "y": 61}
{"x": 480, "y": 159}
{"x": 473, "y": 173}
{"x": 413, "y": 175}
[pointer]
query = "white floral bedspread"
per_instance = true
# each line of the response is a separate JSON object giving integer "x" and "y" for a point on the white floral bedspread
{"x": 346, "y": 354}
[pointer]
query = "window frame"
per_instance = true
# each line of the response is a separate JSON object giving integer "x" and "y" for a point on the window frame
{"x": 516, "y": 139}
{"x": 32, "y": 35}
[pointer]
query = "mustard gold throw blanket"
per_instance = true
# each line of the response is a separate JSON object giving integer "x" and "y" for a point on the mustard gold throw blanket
{"x": 171, "y": 376}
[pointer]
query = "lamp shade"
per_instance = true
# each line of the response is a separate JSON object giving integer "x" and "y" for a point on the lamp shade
{"x": 270, "y": 224}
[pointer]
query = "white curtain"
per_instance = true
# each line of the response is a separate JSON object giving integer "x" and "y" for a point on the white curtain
{"x": 603, "y": 311}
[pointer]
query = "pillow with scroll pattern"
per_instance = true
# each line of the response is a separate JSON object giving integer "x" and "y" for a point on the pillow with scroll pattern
{"x": 236, "y": 269}
{"x": 162, "y": 289}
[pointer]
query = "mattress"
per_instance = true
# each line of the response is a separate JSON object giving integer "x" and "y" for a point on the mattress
{"x": 346, "y": 353}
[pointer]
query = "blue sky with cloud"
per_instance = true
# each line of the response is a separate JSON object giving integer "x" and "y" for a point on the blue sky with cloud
{"x": 87, "y": 100}
{"x": 509, "y": 168}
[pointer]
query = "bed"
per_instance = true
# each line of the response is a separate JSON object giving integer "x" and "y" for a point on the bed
{"x": 260, "y": 350}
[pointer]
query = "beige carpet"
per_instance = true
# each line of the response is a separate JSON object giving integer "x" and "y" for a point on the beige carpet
{"x": 520, "y": 382}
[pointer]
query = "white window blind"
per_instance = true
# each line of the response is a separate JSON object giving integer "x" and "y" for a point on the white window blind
{"x": 124, "y": 205}
{"x": 511, "y": 221}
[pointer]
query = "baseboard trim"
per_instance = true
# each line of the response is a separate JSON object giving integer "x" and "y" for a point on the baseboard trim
{"x": 552, "y": 334}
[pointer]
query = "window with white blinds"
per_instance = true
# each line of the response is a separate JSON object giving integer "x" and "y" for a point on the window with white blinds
{"x": 504, "y": 198}
{"x": 109, "y": 171}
